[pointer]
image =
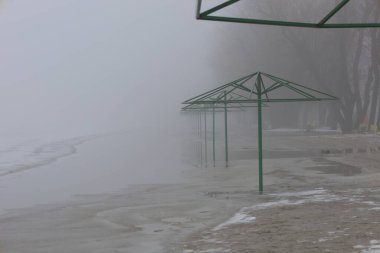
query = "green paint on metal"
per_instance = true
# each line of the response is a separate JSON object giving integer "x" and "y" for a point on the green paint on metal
{"x": 225, "y": 129}
{"x": 333, "y": 12}
{"x": 218, "y": 7}
{"x": 206, "y": 15}
{"x": 218, "y": 107}
{"x": 213, "y": 135}
{"x": 205, "y": 135}
{"x": 260, "y": 134}
{"x": 243, "y": 91}
{"x": 200, "y": 137}
{"x": 219, "y": 88}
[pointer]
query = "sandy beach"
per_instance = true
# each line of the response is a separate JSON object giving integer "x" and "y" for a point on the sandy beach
{"x": 322, "y": 194}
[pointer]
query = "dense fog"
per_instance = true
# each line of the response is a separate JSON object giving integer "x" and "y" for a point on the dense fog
{"x": 71, "y": 68}
{"x": 107, "y": 74}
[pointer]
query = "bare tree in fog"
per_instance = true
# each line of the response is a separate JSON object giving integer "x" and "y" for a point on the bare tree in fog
{"x": 347, "y": 63}
{"x": 344, "y": 62}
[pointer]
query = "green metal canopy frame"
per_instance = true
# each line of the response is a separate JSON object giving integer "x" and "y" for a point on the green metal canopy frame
{"x": 323, "y": 23}
{"x": 257, "y": 88}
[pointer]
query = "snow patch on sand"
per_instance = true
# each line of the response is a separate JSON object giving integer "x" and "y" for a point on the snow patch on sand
{"x": 272, "y": 204}
{"x": 218, "y": 250}
{"x": 376, "y": 206}
{"x": 317, "y": 195}
{"x": 370, "y": 203}
{"x": 240, "y": 217}
{"x": 293, "y": 198}
{"x": 299, "y": 194}
{"x": 374, "y": 247}
{"x": 213, "y": 240}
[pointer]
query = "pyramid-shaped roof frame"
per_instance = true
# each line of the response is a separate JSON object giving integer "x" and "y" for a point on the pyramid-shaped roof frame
{"x": 218, "y": 107}
{"x": 257, "y": 87}
{"x": 323, "y": 23}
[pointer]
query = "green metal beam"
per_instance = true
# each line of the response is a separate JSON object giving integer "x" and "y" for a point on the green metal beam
{"x": 333, "y": 12}
{"x": 219, "y": 109}
{"x": 302, "y": 86}
{"x": 218, "y": 7}
{"x": 322, "y": 24}
{"x": 214, "y": 91}
{"x": 242, "y": 87}
{"x": 264, "y": 100}
{"x": 238, "y": 96}
{"x": 216, "y": 96}
{"x": 258, "y": 21}
{"x": 235, "y": 87}
{"x": 274, "y": 86}
{"x": 298, "y": 91}
{"x": 212, "y": 106}
{"x": 198, "y": 9}
{"x": 287, "y": 23}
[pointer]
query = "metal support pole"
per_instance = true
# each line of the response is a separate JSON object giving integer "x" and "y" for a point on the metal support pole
{"x": 200, "y": 138}
{"x": 205, "y": 135}
{"x": 196, "y": 153}
{"x": 198, "y": 10}
{"x": 213, "y": 133}
{"x": 225, "y": 128}
{"x": 260, "y": 134}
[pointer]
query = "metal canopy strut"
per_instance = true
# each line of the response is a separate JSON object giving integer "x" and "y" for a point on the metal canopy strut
{"x": 213, "y": 135}
{"x": 225, "y": 128}
{"x": 254, "y": 90}
{"x": 260, "y": 132}
{"x": 205, "y": 123}
{"x": 323, "y": 23}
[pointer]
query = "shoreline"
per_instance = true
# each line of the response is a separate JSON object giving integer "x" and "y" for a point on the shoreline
{"x": 72, "y": 149}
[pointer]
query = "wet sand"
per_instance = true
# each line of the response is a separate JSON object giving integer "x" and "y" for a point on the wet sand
{"x": 307, "y": 207}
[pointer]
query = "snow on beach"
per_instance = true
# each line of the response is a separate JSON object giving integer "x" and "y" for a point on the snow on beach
{"x": 240, "y": 217}
{"x": 374, "y": 247}
{"x": 317, "y": 220}
{"x": 244, "y": 214}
